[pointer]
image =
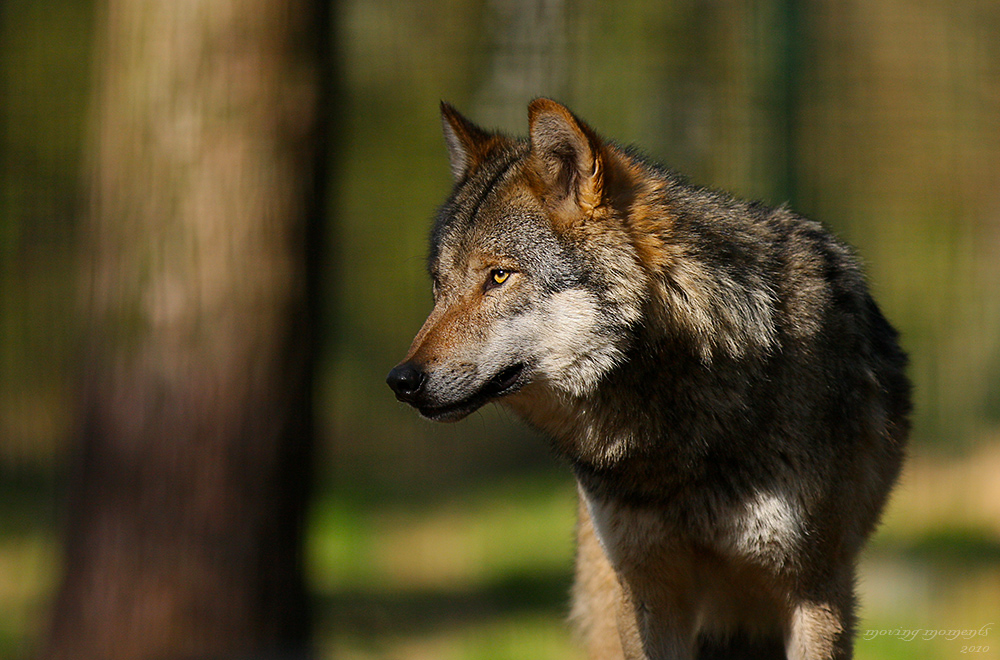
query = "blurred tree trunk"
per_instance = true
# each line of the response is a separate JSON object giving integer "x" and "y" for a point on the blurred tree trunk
{"x": 184, "y": 531}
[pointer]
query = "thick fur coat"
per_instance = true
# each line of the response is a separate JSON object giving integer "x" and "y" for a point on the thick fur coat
{"x": 731, "y": 400}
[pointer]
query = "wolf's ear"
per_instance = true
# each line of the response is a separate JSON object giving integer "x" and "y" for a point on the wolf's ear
{"x": 566, "y": 156}
{"x": 467, "y": 143}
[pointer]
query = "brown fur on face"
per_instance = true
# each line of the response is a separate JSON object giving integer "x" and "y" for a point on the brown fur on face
{"x": 732, "y": 402}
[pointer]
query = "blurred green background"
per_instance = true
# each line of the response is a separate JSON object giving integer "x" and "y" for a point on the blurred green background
{"x": 879, "y": 117}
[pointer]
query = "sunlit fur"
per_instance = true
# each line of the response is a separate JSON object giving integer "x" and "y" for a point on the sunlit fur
{"x": 729, "y": 397}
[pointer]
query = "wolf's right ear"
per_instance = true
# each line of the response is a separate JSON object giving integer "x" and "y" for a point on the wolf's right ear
{"x": 467, "y": 143}
{"x": 567, "y": 158}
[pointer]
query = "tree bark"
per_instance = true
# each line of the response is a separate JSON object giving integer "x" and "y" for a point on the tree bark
{"x": 184, "y": 531}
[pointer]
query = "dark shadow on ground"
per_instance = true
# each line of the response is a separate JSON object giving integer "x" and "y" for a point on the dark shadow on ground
{"x": 953, "y": 546}
{"x": 374, "y": 615}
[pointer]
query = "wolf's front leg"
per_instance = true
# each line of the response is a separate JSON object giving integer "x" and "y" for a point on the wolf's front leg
{"x": 598, "y": 599}
{"x": 822, "y": 629}
{"x": 614, "y": 624}
{"x": 657, "y": 623}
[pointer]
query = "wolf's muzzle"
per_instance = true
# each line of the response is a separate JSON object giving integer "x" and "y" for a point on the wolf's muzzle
{"x": 406, "y": 381}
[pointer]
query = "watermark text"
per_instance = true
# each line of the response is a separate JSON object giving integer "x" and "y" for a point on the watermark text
{"x": 927, "y": 634}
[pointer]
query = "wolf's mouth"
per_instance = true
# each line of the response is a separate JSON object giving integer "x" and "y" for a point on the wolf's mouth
{"x": 504, "y": 382}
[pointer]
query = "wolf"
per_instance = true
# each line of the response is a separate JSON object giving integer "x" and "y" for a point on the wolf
{"x": 731, "y": 401}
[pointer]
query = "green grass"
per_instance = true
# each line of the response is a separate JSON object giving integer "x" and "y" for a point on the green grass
{"x": 486, "y": 575}
{"x": 28, "y": 565}
{"x": 483, "y": 576}
{"x": 483, "y": 573}
{"x": 516, "y": 526}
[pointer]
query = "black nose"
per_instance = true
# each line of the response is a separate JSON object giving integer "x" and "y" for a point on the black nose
{"x": 406, "y": 381}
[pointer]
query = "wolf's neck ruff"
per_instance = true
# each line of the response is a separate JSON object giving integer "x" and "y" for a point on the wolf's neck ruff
{"x": 731, "y": 399}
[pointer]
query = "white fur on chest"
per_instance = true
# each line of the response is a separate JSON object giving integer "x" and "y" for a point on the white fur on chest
{"x": 766, "y": 529}
{"x": 769, "y": 527}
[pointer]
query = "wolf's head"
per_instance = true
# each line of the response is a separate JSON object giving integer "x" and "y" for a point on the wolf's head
{"x": 537, "y": 278}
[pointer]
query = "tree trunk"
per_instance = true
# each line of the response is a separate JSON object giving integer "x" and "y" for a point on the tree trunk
{"x": 184, "y": 536}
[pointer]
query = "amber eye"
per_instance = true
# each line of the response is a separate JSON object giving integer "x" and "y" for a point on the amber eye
{"x": 497, "y": 277}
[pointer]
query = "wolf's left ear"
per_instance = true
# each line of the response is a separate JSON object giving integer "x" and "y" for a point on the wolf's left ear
{"x": 566, "y": 156}
{"x": 467, "y": 143}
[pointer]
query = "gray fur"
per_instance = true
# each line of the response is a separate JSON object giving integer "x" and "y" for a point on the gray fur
{"x": 731, "y": 399}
